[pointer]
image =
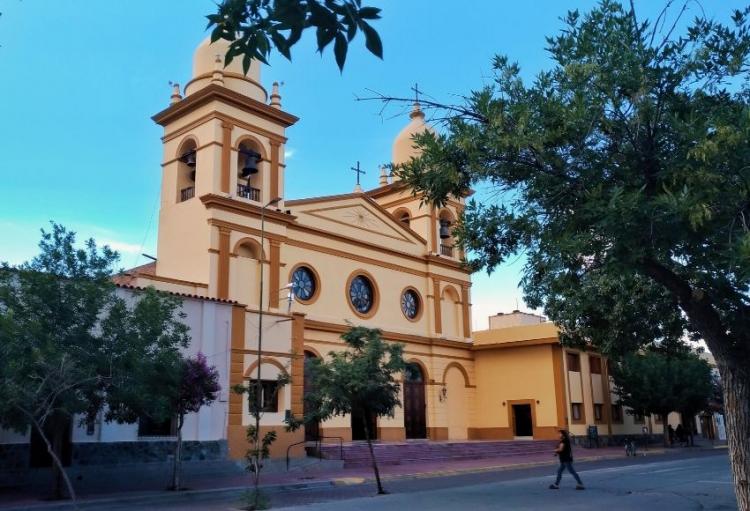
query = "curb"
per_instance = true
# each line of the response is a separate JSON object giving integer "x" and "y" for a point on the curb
{"x": 168, "y": 497}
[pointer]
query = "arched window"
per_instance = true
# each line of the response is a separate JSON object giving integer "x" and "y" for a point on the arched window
{"x": 186, "y": 168}
{"x": 451, "y": 313}
{"x": 403, "y": 215}
{"x": 245, "y": 271}
{"x": 446, "y": 224}
{"x": 249, "y": 170}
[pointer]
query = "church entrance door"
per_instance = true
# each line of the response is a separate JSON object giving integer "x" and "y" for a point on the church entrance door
{"x": 312, "y": 429}
{"x": 522, "y": 424}
{"x": 39, "y": 456}
{"x": 358, "y": 426}
{"x": 415, "y": 422}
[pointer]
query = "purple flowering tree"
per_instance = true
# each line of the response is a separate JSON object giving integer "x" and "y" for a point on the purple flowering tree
{"x": 199, "y": 386}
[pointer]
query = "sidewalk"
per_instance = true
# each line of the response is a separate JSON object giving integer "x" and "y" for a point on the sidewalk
{"x": 151, "y": 489}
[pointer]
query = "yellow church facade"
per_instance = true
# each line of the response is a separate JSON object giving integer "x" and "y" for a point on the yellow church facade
{"x": 373, "y": 257}
{"x": 376, "y": 257}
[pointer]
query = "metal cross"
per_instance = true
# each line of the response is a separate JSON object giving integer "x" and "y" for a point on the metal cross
{"x": 416, "y": 92}
{"x": 358, "y": 171}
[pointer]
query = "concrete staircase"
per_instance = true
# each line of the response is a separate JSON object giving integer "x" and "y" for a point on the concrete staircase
{"x": 356, "y": 454}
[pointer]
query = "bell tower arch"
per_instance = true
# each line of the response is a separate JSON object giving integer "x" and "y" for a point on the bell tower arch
{"x": 223, "y": 141}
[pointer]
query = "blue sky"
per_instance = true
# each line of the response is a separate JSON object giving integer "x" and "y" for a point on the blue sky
{"x": 81, "y": 78}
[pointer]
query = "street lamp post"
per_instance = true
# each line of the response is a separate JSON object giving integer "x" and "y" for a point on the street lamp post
{"x": 258, "y": 386}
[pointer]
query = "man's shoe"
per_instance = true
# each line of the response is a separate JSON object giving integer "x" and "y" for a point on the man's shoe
{"x": 580, "y": 487}
{"x": 554, "y": 487}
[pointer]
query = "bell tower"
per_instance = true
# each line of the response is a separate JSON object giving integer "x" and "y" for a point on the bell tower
{"x": 434, "y": 225}
{"x": 223, "y": 143}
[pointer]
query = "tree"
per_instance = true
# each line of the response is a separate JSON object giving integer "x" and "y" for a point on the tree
{"x": 260, "y": 446}
{"x": 255, "y": 27}
{"x": 360, "y": 380}
{"x": 659, "y": 382}
{"x": 69, "y": 346}
{"x": 198, "y": 386}
{"x": 622, "y": 174}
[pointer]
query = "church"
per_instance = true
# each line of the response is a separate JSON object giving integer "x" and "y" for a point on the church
{"x": 316, "y": 265}
{"x": 371, "y": 257}
{"x": 253, "y": 265}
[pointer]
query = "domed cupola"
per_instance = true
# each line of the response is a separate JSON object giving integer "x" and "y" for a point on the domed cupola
{"x": 404, "y": 147}
{"x": 207, "y": 69}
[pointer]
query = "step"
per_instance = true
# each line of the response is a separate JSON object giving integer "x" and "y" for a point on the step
{"x": 358, "y": 454}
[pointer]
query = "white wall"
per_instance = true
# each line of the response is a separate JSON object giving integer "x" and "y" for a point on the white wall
{"x": 210, "y": 332}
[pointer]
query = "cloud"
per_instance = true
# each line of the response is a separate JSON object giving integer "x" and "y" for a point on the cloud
{"x": 289, "y": 153}
{"x": 121, "y": 246}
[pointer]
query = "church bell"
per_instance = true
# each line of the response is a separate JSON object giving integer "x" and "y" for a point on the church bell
{"x": 445, "y": 232}
{"x": 251, "y": 163}
{"x": 189, "y": 159}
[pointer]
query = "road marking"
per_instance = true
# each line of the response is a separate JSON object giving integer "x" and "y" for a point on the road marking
{"x": 666, "y": 470}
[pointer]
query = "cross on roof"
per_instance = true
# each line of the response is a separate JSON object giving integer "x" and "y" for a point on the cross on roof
{"x": 416, "y": 92}
{"x": 358, "y": 172}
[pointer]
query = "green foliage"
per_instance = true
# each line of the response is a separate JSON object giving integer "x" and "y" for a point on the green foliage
{"x": 621, "y": 173}
{"x": 659, "y": 382}
{"x": 260, "y": 447}
{"x": 361, "y": 379}
{"x": 255, "y": 27}
{"x": 69, "y": 345}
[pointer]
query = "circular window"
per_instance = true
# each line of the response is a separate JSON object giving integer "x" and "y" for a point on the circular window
{"x": 361, "y": 294}
{"x": 410, "y": 304}
{"x": 304, "y": 284}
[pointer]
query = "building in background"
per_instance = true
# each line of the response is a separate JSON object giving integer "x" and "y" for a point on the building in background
{"x": 529, "y": 385}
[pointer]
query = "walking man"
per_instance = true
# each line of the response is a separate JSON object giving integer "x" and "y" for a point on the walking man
{"x": 565, "y": 454}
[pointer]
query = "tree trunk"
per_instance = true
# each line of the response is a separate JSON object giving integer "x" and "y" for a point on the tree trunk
{"x": 736, "y": 382}
{"x": 381, "y": 491}
{"x": 177, "y": 457}
{"x": 731, "y": 353}
{"x": 58, "y": 469}
{"x": 665, "y": 429}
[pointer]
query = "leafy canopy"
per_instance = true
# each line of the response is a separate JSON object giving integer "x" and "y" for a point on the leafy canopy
{"x": 69, "y": 344}
{"x": 657, "y": 382}
{"x": 361, "y": 379}
{"x": 255, "y": 27}
{"x": 623, "y": 177}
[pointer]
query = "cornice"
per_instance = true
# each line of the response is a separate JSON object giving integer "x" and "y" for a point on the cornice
{"x": 336, "y": 328}
{"x": 216, "y": 92}
{"x": 212, "y": 200}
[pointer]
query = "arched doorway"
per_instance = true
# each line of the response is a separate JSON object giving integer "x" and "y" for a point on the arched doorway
{"x": 312, "y": 429}
{"x": 415, "y": 422}
{"x": 456, "y": 402}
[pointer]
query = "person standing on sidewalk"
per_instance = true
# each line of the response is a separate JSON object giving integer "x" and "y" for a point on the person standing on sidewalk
{"x": 565, "y": 454}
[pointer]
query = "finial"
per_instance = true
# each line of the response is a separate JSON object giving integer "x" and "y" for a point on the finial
{"x": 275, "y": 96}
{"x": 218, "y": 76}
{"x": 383, "y": 176}
{"x": 175, "y": 97}
{"x": 416, "y": 111}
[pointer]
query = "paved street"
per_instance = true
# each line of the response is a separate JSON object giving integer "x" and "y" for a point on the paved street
{"x": 686, "y": 484}
{"x": 695, "y": 482}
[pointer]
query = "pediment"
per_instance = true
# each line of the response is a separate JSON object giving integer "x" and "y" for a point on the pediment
{"x": 363, "y": 215}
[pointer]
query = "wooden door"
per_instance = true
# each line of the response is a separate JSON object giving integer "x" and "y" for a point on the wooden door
{"x": 358, "y": 426}
{"x": 312, "y": 429}
{"x": 415, "y": 407}
{"x": 522, "y": 421}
